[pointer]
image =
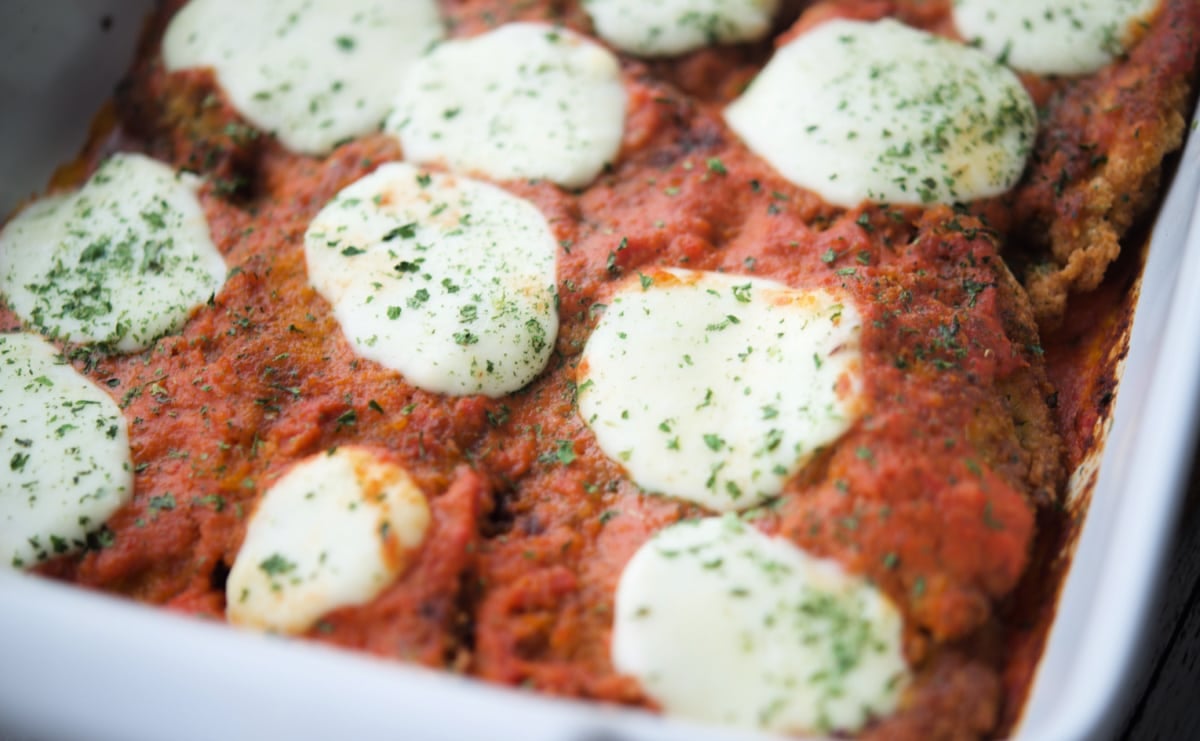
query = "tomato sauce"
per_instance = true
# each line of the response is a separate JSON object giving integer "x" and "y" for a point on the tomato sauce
{"x": 944, "y": 494}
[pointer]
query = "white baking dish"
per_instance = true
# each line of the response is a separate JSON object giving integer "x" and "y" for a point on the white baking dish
{"x": 79, "y": 665}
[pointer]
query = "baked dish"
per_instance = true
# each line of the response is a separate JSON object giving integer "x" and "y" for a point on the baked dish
{"x": 724, "y": 359}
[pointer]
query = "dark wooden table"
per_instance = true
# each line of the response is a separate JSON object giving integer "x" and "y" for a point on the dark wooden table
{"x": 1168, "y": 686}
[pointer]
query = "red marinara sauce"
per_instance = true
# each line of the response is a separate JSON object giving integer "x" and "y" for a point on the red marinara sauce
{"x": 944, "y": 494}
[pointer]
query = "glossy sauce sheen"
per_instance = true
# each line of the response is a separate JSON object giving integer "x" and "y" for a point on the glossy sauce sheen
{"x": 935, "y": 495}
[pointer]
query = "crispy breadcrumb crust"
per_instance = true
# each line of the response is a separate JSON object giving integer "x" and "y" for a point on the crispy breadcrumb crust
{"x": 1098, "y": 163}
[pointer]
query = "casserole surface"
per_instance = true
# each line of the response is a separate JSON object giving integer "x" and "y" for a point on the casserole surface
{"x": 1170, "y": 229}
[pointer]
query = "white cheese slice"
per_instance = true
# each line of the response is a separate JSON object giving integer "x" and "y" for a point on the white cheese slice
{"x": 717, "y": 388}
{"x": 313, "y": 72}
{"x": 878, "y": 111}
{"x": 1054, "y": 37}
{"x": 445, "y": 279}
{"x": 334, "y": 531}
{"x": 724, "y": 624}
{"x": 122, "y": 261}
{"x": 526, "y": 100}
{"x": 655, "y": 28}
{"x": 64, "y": 453}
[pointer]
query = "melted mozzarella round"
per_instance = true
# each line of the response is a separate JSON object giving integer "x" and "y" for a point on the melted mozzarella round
{"x": 717, "y": 388}
{"x": 666, "y": 27}
{"x": 1059, "y": 37}
{"x": 122, "y": 261}
{"x": 881, "y": 112}
{"x": 64, "y": 451}
{"x": 314, "y": 72}
{"x": 334, "y": 531}
{"x": 524, "y": 101}
{"x": 724, "y": 624}
{"x": 447, "y": 280}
